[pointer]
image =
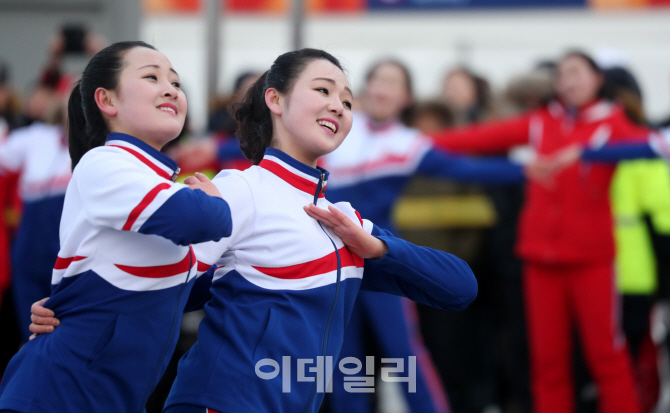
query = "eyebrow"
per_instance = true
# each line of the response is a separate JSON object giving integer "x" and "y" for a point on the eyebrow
{"x": 158, "y": 67}
{"x": 333, "y": 82}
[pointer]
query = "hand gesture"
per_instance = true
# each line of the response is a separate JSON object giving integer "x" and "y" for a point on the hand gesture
{"x": 356, "y": 239}
{"x": 43, "y": 320}
{"x": 200, "y": 181}
{"x": 544, "y": 168}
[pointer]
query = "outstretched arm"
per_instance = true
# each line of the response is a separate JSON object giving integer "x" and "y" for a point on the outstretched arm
{"x": 485, "y": 170}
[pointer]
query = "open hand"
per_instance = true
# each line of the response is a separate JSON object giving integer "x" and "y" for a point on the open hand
{"x": 43, "y": 319}
{"x": 201, "y": 182}
{"x": 356, "y": 239}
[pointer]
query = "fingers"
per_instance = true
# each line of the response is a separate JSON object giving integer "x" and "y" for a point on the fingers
{"x": 37, "y": 329}
{"x": 201, "y": 177}
{"x": 191, "y": 180}
{"x": 318, "y": 214}
{"x": 38, "y": 309}
{"x": 32, "y": 337}
{"x": 344, "y": 220}
{"x": 44, "y": 321}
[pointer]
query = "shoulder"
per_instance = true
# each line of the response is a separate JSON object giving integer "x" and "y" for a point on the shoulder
{"x": 236, "y": 183}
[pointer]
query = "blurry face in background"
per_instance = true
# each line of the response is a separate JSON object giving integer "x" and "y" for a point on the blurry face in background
{"x": 577, "y": 83}
{"x": 150, "y": 103}
{"x": 386, "y": 93}
{"x": 459, "y": 91}
{"x": 41, "y": 103}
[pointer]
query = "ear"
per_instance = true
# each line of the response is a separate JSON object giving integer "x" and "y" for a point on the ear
{"x": 274, "y": 101}
{"x": 105, "y": 100}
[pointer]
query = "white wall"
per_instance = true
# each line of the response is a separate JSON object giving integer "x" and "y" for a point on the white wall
{"x": 497, "y": 44}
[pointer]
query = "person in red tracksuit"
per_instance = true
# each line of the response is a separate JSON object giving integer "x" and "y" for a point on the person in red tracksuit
{"x": 565, "y": 238}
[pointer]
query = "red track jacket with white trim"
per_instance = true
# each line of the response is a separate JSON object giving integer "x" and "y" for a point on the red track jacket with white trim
{"x": 567, "y": 220}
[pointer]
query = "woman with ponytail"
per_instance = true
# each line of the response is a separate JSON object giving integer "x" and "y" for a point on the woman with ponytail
{"x": 287, "y": 277}
{"x": 126, "y": 266}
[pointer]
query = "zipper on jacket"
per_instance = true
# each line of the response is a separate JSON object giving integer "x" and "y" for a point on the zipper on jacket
{"x": 172, "y": 328}
{"x": 329, "y": 320}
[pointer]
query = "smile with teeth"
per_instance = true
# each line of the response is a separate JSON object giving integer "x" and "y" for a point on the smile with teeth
{"x": 167, "y": 109}
{"x": 329, "y": 125}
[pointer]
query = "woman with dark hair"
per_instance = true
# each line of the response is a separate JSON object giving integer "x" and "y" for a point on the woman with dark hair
{"x": 286, "y": 278}
{"x": 371, "y": 169}
{"x": 565, "y": 237}
{"x": 467, "y": 95}
{"x": 125, "y": 266}
{"x": 284, "y": 288}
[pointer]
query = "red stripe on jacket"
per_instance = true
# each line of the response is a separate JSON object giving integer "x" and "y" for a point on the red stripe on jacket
{"x": 145, "y": 161}
{"x": 161, "y": 271}
{"x": 318, "y": 266}
{"x": 63, "y": 263}
{"x": 293, "y": 179}
{"x": 135, "y": 213}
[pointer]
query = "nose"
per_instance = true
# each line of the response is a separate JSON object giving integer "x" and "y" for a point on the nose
{"x": 170, "y": 91}
{"x": 336, "y": 107}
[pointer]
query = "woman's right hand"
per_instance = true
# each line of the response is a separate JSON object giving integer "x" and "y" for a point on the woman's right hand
{"x": 201, "y": 182}
{"x": 43, "y": 319}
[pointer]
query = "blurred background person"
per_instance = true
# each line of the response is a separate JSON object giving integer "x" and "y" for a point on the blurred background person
{"x": 468, "y": 96}
{"x": 568, "y": 275}
{"x": 219, "y": 149}
{"x": 641, "y": 208}
{"x": 370, "y": 169}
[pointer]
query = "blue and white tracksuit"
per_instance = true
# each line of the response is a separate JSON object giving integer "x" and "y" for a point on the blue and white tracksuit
{"x": 284, "y": 289}
{"x": 39, "y": 153}
{"x": 370, "y": 169}
{"x": 120, "y": 283}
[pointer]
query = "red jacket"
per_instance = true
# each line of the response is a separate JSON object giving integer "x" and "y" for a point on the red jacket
{"x": 569, "y": 222}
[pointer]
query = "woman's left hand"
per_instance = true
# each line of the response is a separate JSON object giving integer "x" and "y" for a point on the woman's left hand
{"x": 356, "y": 239}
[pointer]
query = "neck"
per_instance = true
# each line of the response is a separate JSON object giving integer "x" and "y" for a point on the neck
{"x": 151, "y": 142}
{"x": 297, "y": 154}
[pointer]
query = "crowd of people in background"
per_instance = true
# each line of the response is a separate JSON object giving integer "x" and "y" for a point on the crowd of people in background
{"x": 545, "y": 283}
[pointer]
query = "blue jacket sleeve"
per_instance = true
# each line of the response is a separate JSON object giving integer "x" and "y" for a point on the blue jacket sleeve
{"x": 486, "y": 171}
{"x": 190, "y": 217}
{"x": 422, "y": 274}
{"x": 200, "y": 292}
{"x": 619, "y": 152}
{"x": 230, "y": 150}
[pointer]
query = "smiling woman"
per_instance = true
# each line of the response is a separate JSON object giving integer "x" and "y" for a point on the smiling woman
{"x": 125, "y": 267}
{"x": 286, "y": 280}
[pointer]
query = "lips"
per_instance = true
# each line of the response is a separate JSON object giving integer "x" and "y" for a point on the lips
{"x": 168, "y": 107}
{"x": 329, "y": 124}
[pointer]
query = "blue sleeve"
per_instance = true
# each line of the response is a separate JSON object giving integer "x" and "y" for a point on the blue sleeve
{"x": 422, "y": 274}
{"x": 619, "y": 152}
{"x": 487, "y": 171}
{"x": 200, "y": 292}
{"x": 190, "y": 217}
{"x": 230, "y": 150}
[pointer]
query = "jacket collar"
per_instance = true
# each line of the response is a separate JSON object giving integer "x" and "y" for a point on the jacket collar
{"x": 596, "y": 110}
{"x": 151, "y": 157}
{"x": 294, "y": 172}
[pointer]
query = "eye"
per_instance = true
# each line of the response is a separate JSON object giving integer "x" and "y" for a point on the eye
{"x": 152, "y": 77}
{"x": 322, "y": 90}
{"x": 176, "y": 84}
{"x": 347, "y": 104}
